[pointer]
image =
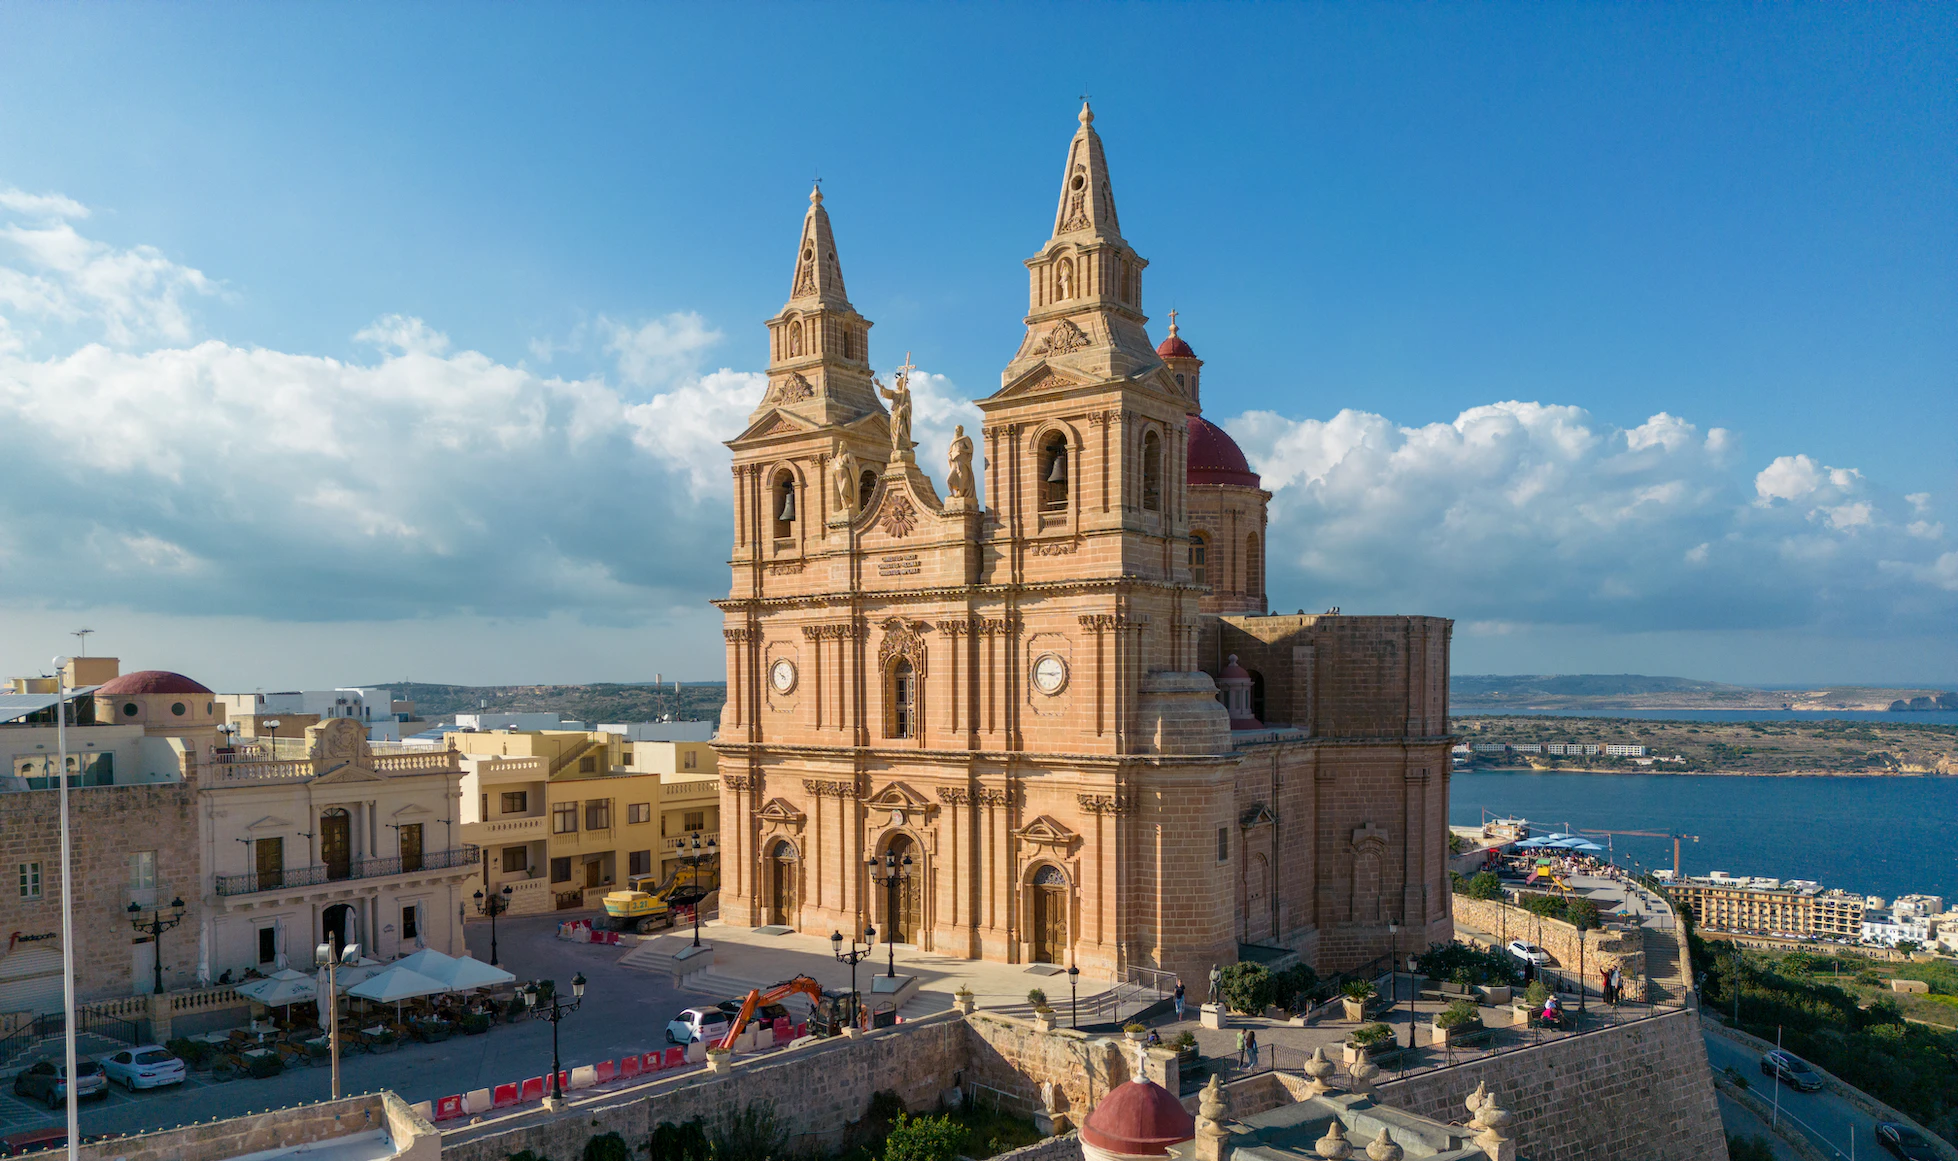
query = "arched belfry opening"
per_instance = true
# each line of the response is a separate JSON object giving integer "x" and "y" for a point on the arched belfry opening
{"x": 1055, "y": 473}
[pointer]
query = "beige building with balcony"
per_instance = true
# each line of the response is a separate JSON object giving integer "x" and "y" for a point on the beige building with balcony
{"x": 563, "y": 816}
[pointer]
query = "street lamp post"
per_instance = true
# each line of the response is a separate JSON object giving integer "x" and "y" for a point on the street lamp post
{"x": 700, "y": 855}
{"x": 67, "y": 907}
{"x": 1074, "y": 995}
{"x": 493, "y": 905}
{"x": 893, "y": 872}
{"x": 556, "y": 1012}
{"x": 155, "y": 926}
{"x": 1393, "y": 979}
{"x": 853, "y": 957}
{"x": 331, "y": 958}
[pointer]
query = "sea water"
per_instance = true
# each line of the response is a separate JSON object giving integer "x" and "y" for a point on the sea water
{"x": 1875, "y": 835}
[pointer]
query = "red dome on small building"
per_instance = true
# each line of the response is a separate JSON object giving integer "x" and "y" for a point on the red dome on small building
{"x": 1138, "y": 1119}
{"x": 150, "y": 681}
{"x": 1174, "y": 347}
{"x": 1215, "y": 457}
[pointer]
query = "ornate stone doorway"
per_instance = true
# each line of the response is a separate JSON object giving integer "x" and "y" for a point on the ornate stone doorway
{"x": 336, "y": 842}
{"x": 1049, "y": 915}
{"x": 781, "y": 883}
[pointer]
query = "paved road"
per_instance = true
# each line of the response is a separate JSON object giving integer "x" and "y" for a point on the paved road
{"x": 1827, "y": 1119}
{"x": 624, "y": 1011}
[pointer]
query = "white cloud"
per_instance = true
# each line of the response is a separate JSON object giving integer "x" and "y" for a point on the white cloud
{"x": 657, "y": 353}
{"x": 57, "y": 285}
{"x": 399, "y": 332}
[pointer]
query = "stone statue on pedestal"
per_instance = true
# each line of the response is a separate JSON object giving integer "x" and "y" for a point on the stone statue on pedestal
{"x": 958, "y": 471}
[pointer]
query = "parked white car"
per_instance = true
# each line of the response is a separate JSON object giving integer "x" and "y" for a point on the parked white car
{"x": 1529, "y": 952}
{"x": 144, "y": 1066}
{"x": 709, "y": 1024}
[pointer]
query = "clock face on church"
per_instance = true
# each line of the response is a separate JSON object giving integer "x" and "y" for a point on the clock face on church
{"x": 1050, "y": 673}
{"x": 781, "y": 675}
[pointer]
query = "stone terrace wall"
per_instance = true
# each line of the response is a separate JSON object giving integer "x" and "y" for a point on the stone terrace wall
{"x": 816, "y": 1091}
{"x": 1636, "y": 1092}
{"x": 1602, "y": 948}
{"x": 1013, "y": 1055}
{"x": 282, "y": 1128}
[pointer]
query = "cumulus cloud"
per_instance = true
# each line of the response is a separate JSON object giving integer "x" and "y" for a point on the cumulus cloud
{"x": 152, "y": 468}
{"x": 1522, "y": 511}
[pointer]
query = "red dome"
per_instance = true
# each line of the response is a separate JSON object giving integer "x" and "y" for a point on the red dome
{"x": 1174, "y": 347}
{"x": 1139, "y": 1118}
{"x": 1215, "y": 457}
{"x": 150, "y": 681}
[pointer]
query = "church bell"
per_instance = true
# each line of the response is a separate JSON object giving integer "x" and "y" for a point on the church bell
{"x": 788, "y": 503}
{"x": 1059, "y": 473}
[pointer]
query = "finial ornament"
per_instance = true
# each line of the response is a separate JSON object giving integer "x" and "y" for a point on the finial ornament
{"x": 1172, "y": 322}
{"x": 1383, "y": 1148}
{"x": 1087, "y": 114}
{"x": 816, "y": 193}
{"x": 1334, "y": 1146}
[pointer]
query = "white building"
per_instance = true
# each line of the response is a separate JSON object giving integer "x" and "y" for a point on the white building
{"x": 1919, "y": 906}
{"x": 686, "y": 731}
{"x": 1887, "y": 929}
{"x": 1623, "y": 750}
{"x": 521, "y": 722}
{"x": 374, "y": 707}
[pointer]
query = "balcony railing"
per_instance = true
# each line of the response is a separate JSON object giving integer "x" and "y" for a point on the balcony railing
{"x": 316, "y": 875}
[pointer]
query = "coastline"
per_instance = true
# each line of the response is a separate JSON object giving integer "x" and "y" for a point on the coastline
{"x": 1645, "y": 770}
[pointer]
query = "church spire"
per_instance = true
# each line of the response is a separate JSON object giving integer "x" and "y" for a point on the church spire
{"x": 818, "y": 275}
{"x": 1087, "y": 204}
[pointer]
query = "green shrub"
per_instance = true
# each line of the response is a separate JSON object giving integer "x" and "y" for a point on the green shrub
{"x": 475, "y": 1024}
{"x": 753, "y": 1134}
{"x": 1582, "y": 914}
{"x": 686, "y": 1141}
{"x": 1036, "y": 997}
{"x": 1453, "y": 961}
{"x": 261, "y": 1067}
{"x": 1132, "y": 1026}
{"x": 1536, "y": 994}
{"x": 1247, "y": 987}
{"x": 1548, "y": 906}
{"x": 1460, "y": 1014}
{"x": 1749, "y": 1149}
{"x": 194, "y": 1053}
{"x": 1295, "y": 988}
{"x": 606, "y": 1147}
{"x": 1482, "y": 885}
{"x": 1368, "y": 1035}
{"x": 923, "y": 1139}
{"x": 1359, "y": 990}
{"x": 1183, "y": 1041}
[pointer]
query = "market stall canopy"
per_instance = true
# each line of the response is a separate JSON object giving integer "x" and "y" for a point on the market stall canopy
{"x": 468, "y": 972}
{"x": 397, "y": 983}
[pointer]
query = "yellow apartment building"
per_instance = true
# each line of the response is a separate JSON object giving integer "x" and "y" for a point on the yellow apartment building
{"x": 563, "y": 816}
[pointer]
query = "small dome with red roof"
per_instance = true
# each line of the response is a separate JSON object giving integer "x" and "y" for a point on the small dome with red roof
{"x": 1174, "y": 347}
{"x": 149, "y": 681}
{"x": 1138, "y": 1119}
{"x": 1215, "y": 457}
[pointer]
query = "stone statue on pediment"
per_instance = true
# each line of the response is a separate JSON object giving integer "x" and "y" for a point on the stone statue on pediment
{"x": 958, "y": 471}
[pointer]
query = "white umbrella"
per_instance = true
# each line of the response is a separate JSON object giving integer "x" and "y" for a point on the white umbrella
{"x": 428, "y": 962}
{"x": 467, "y": 972}
{"x": 396, "y": 984}
{"x": 281, "y": 989}
{"x": 349, "y": 974}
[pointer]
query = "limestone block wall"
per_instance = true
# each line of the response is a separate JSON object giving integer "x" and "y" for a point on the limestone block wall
{"x": 1012, "y": 1055}
{"x": 413, "y": 1137}
{"x": 1633, "y": 1093}
{"x": 1602, "y": 947}
{"x": 106, "y": 823}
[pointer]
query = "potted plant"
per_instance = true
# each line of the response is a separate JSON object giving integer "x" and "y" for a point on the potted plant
{"x": 1037, "y": 998}
{"x": 1460, "y": 1016}
{"x": 1368, "y": 1040}
{"x": 719, "y": 1060}
{"x": 515, "y": 1009}
{"x": 964, "y": 1000}
{"x": 1135, "y": 1031}
{"x": 262, "y": 1067}
{"x": 1354, "y": 997}
{"x": 1532, "y": 1001}
{"x": 475, "y": 1024}
{"x": 382, "y": 1041}
{"x": 1185, "y": 1044}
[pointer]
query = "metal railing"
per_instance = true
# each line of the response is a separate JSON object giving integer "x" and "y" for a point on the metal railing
{"x": 318, "y": 875}
{"x": 52, "y": 1024}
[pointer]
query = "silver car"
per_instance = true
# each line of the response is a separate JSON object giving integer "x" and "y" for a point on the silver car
{"x": 144, "y": 1066}
{"x": 48, "y": 1082}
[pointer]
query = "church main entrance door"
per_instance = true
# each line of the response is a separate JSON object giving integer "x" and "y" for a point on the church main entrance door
{"x": 781, "y": 887}
{"x": 901, "y": 898}
{"x": 1049, "y": 915}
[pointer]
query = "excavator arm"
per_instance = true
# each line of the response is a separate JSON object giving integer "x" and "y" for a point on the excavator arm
{"x": 757, "y": 998}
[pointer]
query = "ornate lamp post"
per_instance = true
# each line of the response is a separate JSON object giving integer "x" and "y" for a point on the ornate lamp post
{"x": 853, "y": 957}
{"x": 326, "y": 956}
{"x": 1394, "y": 982}
{"x": 493, "y": 905}
{"x": 155, "y": 926}
{"x": 700, "y": 855}
{"x": 892, "y": 873}
{"x": 556, "y": 1012}
{"x": 1074, "y": 996}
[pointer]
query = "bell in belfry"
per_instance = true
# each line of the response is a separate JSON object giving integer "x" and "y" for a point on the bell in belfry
{"x": 788, "y": 503}
{"x": 1059, "y": 473}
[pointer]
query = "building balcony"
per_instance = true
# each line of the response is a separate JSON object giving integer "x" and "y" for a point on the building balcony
{"x": 519, "y": 828}
{"x": 704, "y": 789}
{"x": 508, "y": 771}
{"x": 320, "y": 876}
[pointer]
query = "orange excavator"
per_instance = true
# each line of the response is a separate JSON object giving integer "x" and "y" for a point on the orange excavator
{"x": 757, "y": 998}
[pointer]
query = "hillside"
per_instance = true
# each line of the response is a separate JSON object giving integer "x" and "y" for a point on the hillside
{"x": 1818, "y": 747}
{"x": 598, "y": 702}
{"x": 1623, "y": 691}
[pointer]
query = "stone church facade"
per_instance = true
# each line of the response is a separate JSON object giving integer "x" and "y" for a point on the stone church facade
{"x": 1058, "y": 726}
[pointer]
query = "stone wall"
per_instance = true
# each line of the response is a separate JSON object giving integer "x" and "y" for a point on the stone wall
{"x": 413, "y": 1137}
{"x": 1012, "y": 1055}
{"x": 1602, "y": 947}
{"x": 1633, "y": 1093}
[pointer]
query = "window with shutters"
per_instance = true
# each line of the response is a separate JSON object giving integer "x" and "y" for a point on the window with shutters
{"x": 598, "y": 814}
{"x": 564, "y": 818}
{"x": 30, "y": 880}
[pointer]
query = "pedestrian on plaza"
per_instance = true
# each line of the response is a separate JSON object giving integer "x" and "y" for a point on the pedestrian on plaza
{"x": 1240, "y": 1047}
{"x": 1251, "y": 1048}
{"x": 1606, "y": 973}
{"x": 1179, "y": 1000}
{"x": 1617, "y": 986}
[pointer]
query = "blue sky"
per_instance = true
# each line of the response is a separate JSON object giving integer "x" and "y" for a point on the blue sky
{"x": 1446, "y": 264}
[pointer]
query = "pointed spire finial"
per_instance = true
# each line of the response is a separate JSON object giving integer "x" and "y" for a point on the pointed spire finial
{"x": 816, "y": 193}
{"x": 1087, "y": 115}
{"x": 1172, "y": 322}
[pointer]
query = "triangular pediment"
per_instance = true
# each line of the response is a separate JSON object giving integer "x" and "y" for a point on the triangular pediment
{"x": 1037, "y": 379}
{"x": 410, "y": 810}
{"x": 1259, "y": 815}
{"x": 344, "y": 774}
{"x": 781, "y": 812}
{"x": 775, "y": 422}
{"x": 1047, "y": 831}
{"x": 898, "y": 796}
{"x": 271, "y": 822}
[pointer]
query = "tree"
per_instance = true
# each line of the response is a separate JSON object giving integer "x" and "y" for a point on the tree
{"x": 923, "y": 1139}
{"x": 1482, "y": 885}
{"x": 1248, "y": 987}
{"x": 607, "y": 1147}
{"x": 1582, "y": 914}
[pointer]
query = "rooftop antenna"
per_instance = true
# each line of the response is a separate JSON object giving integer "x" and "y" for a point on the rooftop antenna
{"x": 83, "y": 634}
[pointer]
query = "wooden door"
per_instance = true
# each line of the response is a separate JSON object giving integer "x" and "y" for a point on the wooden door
{"x": 593, "y": 869}
{"x": 336, "y": 843}
{"x": 782, "y": 900}
{"x": 269, "y": 856}
{"x": 411, "y": 847}
{"x": 1049, "y": 915}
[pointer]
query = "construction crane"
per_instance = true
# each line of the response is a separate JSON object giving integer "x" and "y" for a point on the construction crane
{"x": 757, "y": 998}
{"x": 1675, "y": 836}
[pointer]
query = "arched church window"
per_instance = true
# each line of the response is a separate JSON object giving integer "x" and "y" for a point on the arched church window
{"x": 866, "y": 483}
{"x": 904, "y": 699}
{"x": 1254, "y": 566}
{"x": 1152, "y": 472}
{"x": 1199, "y": 559}
{"x": 1053, "y": 473}
{"x": 783, "y": 504}
{"x": 1049, "y": 875}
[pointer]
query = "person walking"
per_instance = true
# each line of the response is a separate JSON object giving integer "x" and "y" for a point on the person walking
{"x": 1606, "y": 988}
{"x": 1251, "y": 1048}
{"x": 1240, "y": 1047}
{"x": 1617, "y": 986}
{"x": 1179, "y": 1000}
